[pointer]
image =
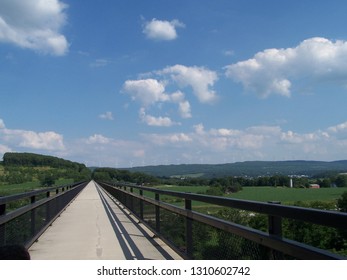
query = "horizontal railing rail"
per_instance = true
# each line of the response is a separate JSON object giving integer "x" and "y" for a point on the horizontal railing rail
{"x": 277, "y": 245}
{"x": 33, "y": 212}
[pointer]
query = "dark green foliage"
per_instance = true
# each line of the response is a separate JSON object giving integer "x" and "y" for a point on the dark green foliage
{"x": 341, "y": 181}
{"x": 120, "y": 175}
{"x": 36, "y": 160}
{"x": 47, "y": 181}
{"x": 28, "y": 167}
{"x": 342, "y": 202}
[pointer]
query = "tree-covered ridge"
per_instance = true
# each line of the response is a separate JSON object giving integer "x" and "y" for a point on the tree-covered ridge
{"x": 18, "y": 168}
{"x": 36, "y": 160}
{"x": 112, "y": 174}
{"x": 247, "y": 168}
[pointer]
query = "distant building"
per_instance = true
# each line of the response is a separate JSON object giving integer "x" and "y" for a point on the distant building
{"x": 314, "y": 186}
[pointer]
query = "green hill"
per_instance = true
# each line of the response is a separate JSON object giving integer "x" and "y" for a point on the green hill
{"x": 248, "y": 168}
{"x": 19, "y": 168}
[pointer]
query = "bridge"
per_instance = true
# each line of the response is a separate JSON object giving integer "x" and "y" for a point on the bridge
{"x": 122, "y": 221}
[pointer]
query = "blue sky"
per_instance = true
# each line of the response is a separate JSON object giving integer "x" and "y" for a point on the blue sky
{"x": 131, "y": 83}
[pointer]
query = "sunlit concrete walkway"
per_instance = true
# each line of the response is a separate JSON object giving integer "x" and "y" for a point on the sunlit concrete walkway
{"x": 94, "y": 227}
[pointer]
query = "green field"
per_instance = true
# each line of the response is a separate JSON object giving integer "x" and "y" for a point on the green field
{"x": 265, "y": 194}
{"x": 26, "y": 187}
{"x": 287, "y": 195}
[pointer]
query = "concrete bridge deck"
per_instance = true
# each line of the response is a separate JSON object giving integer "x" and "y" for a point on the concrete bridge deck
{"x": 94, "y": 227}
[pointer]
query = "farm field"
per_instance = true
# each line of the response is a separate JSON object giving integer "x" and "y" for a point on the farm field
{"x": 27, "y": 187}
{"x": 287, "y": 195}
{"x": 265, "y": 194}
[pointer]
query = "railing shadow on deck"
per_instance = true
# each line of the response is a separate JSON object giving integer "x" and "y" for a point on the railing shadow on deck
{"x": 195, "y": 235}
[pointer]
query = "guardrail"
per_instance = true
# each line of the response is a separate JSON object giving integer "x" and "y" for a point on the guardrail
{"x": 24, "y": 217}
{"x": 185, "y": 229}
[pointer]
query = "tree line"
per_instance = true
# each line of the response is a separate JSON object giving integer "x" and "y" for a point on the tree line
{"x": 28, "y": 167}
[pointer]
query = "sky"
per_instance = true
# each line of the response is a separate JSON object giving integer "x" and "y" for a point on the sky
{"x": 132, "y": 83}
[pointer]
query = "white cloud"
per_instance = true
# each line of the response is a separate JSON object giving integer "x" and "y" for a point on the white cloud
{"x": 275, "y": 71}
{"x": 147, "y": 91}
{"x": 100, "y": 62}
{"x": 106, "y": 116}
{"x": 4, "y": 149}
{"x": 162, "y": 30}
{"x": 155, "y": 121}
{"x": 49, "y": 140}
{"x": 168, "y": 139}
{"x": 338, "y": 128}
{"x": 98, "y": 139}
{"x": 152, "y": 91}
{"x": 34, "y": 140}
{"x": 184, "y": 109}
{"x": 199, "y": 78}
{"x": 34, "y": 24}
{"x": 2, "y": 124}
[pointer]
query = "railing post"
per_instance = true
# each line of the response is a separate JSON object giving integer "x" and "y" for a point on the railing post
{"x": 131, "y": 202}
{"x": 275, "y": 228}
{"x": 33, "y": 216}
{"x": 48, "y": 210}
{"x": 141, "y": 205}
{"x": 189, "y": 230}
{"x": 157, "y": 214}
{"x": 3, "y": 226}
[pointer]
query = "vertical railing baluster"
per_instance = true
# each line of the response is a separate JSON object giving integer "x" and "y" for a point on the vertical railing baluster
{"x": 189, "y": 229}
{"x": 275, "y": 228}
{"x": 131, "y": 200}
{"x": 33, "y": 216}
{"x": 141, "y": 205}
{"x": 48, "y": 210}
{"x": 157, "y": 214}
{"x": 3, "y": 226}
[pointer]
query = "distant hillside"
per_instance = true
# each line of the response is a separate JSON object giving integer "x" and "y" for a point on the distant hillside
{"x": 37, "y": 160}
{"x": 18, "y": 168}
{"x": 248, "y": 168}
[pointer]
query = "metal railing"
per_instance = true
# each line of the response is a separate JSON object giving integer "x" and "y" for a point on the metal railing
{"x": 197, "y": 235}
{"x": 24, "y": 217}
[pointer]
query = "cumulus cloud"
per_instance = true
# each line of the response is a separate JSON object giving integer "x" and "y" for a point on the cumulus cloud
{"x": 34, "y": 140}
{"x": 34, "y": 24}
{"x": 49, "y": 140}
{"x": 107, "y": 116}
{"x": 155, "y": 121}
{"x": 162, "y": 30}
{"x": 168, "y": 139}
{"x": 2, "y": 124}
{"x": 275, "y": 71}
{"x": 4, "y": 149}
{"x": 342, "y": 127}
{"x": 200, "y": 79}
{"x": 147, "y": 91}
{"x": 98, "y": 139}
{"x": 184, "y": 109}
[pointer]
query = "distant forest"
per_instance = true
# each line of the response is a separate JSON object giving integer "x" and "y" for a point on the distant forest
{"x": 222, "y": 178}
{"x": 18, "y": 168}
{"x": 247, "y": 169}
{"x": 35, "y": 160}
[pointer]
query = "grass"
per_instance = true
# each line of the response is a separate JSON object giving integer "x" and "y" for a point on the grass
{"x": 265, "y": 194}
{"x": 191, "y": 189}
{"x": 18, "y": 188}
{"x": 287, "y": 195}
{"x": 27, "y": 187}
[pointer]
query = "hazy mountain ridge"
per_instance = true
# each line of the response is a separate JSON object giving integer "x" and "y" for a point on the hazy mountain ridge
{"x": 247, "y": 168}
